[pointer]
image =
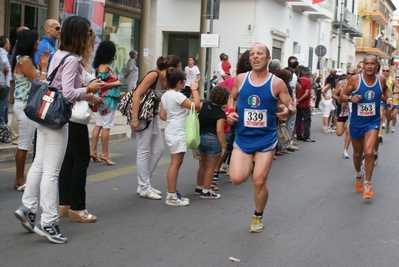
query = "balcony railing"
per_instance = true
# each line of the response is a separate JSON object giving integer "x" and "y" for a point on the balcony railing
{"x": 349, "y": 24}
{"x": 367, "y": 42}
{"x": 367, "y": 6}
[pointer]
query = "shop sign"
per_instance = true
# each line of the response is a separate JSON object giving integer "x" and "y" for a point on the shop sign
{"x": 210, "y": 40}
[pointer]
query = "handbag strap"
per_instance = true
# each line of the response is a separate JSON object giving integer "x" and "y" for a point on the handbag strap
{"x": 51, "y": 77}
{"x": 153, "y": 84}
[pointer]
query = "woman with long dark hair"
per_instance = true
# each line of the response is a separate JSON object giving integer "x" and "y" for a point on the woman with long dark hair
{"x": 73, "y": 174}
{"x": 110, "y": 92}
{"x": 25, "y": 70}
{"x": 42, "y": 179}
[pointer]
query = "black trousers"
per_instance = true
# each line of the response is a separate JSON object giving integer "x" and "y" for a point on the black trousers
{"x": 305, "y": 114}
{"x": 318, "y": 98}
{"x": 72, "y": 179}
{"x": 187, "y": 91}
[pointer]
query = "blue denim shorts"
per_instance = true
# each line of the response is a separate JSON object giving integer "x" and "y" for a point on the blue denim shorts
{"x": 210, "y": 145}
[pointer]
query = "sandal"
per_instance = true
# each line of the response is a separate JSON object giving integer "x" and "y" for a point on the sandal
{"x": 107, "y": 160}
{"x": 20, "y": 188}
{"x": 95, "y": 158}
{"x": 215, "y": 186}
{"x": 81, "y": 216}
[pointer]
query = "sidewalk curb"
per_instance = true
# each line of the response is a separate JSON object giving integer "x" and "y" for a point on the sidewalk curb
{"x": 8, "y": 153}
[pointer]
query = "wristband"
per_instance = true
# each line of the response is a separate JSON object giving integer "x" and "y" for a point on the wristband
{"x": 389, "y": 99}
{"x": 45, "y": 73}
{"x": 231, "y": 110}
{"x": 133, "y": 120}
{"x": 87, "y": 90}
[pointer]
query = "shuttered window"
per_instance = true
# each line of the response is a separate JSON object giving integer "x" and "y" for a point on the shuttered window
{"x": 277, "y": 49}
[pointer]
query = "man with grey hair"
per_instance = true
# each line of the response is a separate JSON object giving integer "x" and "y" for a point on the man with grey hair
{"x": 5, "y": 77}
{"x": 132, "y": 72}
{"x": 303, "y": 107}
{"x": 131, "y": 75}
{"x": 274, "y": 65}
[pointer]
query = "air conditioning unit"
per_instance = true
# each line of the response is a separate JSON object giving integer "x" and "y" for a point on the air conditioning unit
{"x": 347, "y": 15}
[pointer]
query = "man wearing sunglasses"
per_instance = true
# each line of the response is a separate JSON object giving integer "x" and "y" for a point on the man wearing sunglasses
{"x": 365, "y": 91}
{"x": 52, "y": 31}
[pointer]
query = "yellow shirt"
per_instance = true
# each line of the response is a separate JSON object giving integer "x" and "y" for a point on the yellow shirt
{"x": 395, "y": 96}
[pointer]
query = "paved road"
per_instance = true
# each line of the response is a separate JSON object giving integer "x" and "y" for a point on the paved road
{"x": 314, "y": 216}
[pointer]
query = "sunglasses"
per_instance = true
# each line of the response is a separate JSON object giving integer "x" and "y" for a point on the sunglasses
{"x": 58, "y": 28}
{"x": 385, "y": 70}
{"x": 350, "y": 73}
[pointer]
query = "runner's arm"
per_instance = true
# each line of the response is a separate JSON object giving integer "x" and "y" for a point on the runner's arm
{"x": 335, "y": 95}
{"x": 349, "y": 88}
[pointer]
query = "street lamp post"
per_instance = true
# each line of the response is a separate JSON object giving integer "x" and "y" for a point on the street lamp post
{"x": 340, "y": 34}
{"x": 209, "y": 52}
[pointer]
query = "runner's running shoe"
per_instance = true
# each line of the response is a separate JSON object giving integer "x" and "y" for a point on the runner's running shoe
{"x": 256, "y": 224}
{"x": 345, "y": 154}
{"x": 368, "y": 191}
{"x": 359, "y": 182}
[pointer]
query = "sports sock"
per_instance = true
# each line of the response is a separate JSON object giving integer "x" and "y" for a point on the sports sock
{"x": 258, "y": 214}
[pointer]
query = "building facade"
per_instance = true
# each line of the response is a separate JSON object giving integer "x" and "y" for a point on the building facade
{"x": 286, "y": 27}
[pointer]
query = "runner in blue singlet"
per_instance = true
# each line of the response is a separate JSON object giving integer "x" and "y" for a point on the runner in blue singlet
{"x": 256, "y": 93}
{"x": 365, "y": 91}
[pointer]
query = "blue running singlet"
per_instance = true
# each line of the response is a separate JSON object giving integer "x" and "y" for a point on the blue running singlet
{"x": 256, "y": 108}
{"x": 366, "y": 113}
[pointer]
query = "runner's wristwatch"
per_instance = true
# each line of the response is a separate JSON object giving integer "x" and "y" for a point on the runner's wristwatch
{"x": 349, "y": 98}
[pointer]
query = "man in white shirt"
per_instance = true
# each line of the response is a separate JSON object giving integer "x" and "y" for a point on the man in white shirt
{"x": 192, "y": 75}
{"x": 379, "y": 37}
{"x": 5, "y": 77}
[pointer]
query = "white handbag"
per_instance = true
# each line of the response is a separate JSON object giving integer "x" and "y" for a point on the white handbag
{"x": 81, "y": 112}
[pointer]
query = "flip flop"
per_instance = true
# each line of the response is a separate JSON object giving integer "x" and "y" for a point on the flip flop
{"x": 20, "y": 188}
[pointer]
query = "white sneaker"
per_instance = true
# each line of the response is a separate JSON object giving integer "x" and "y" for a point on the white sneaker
{"x": 345, "y": 154}
{"x": 392, "y": 130}
{"x": 331, "y": 130}
{"x": 149, "y": 193}
{"x": 178, "y": 201}
{"x": 156, "y": 191}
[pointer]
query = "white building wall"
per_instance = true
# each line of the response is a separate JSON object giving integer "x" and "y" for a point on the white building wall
{"x": 262, "y": 15}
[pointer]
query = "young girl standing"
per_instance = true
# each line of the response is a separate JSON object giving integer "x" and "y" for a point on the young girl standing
{"x": 173, "y": 111}
{"x": 213, "y": 143}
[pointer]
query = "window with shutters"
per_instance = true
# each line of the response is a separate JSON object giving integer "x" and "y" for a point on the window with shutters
{"x": 277, "y": 49}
